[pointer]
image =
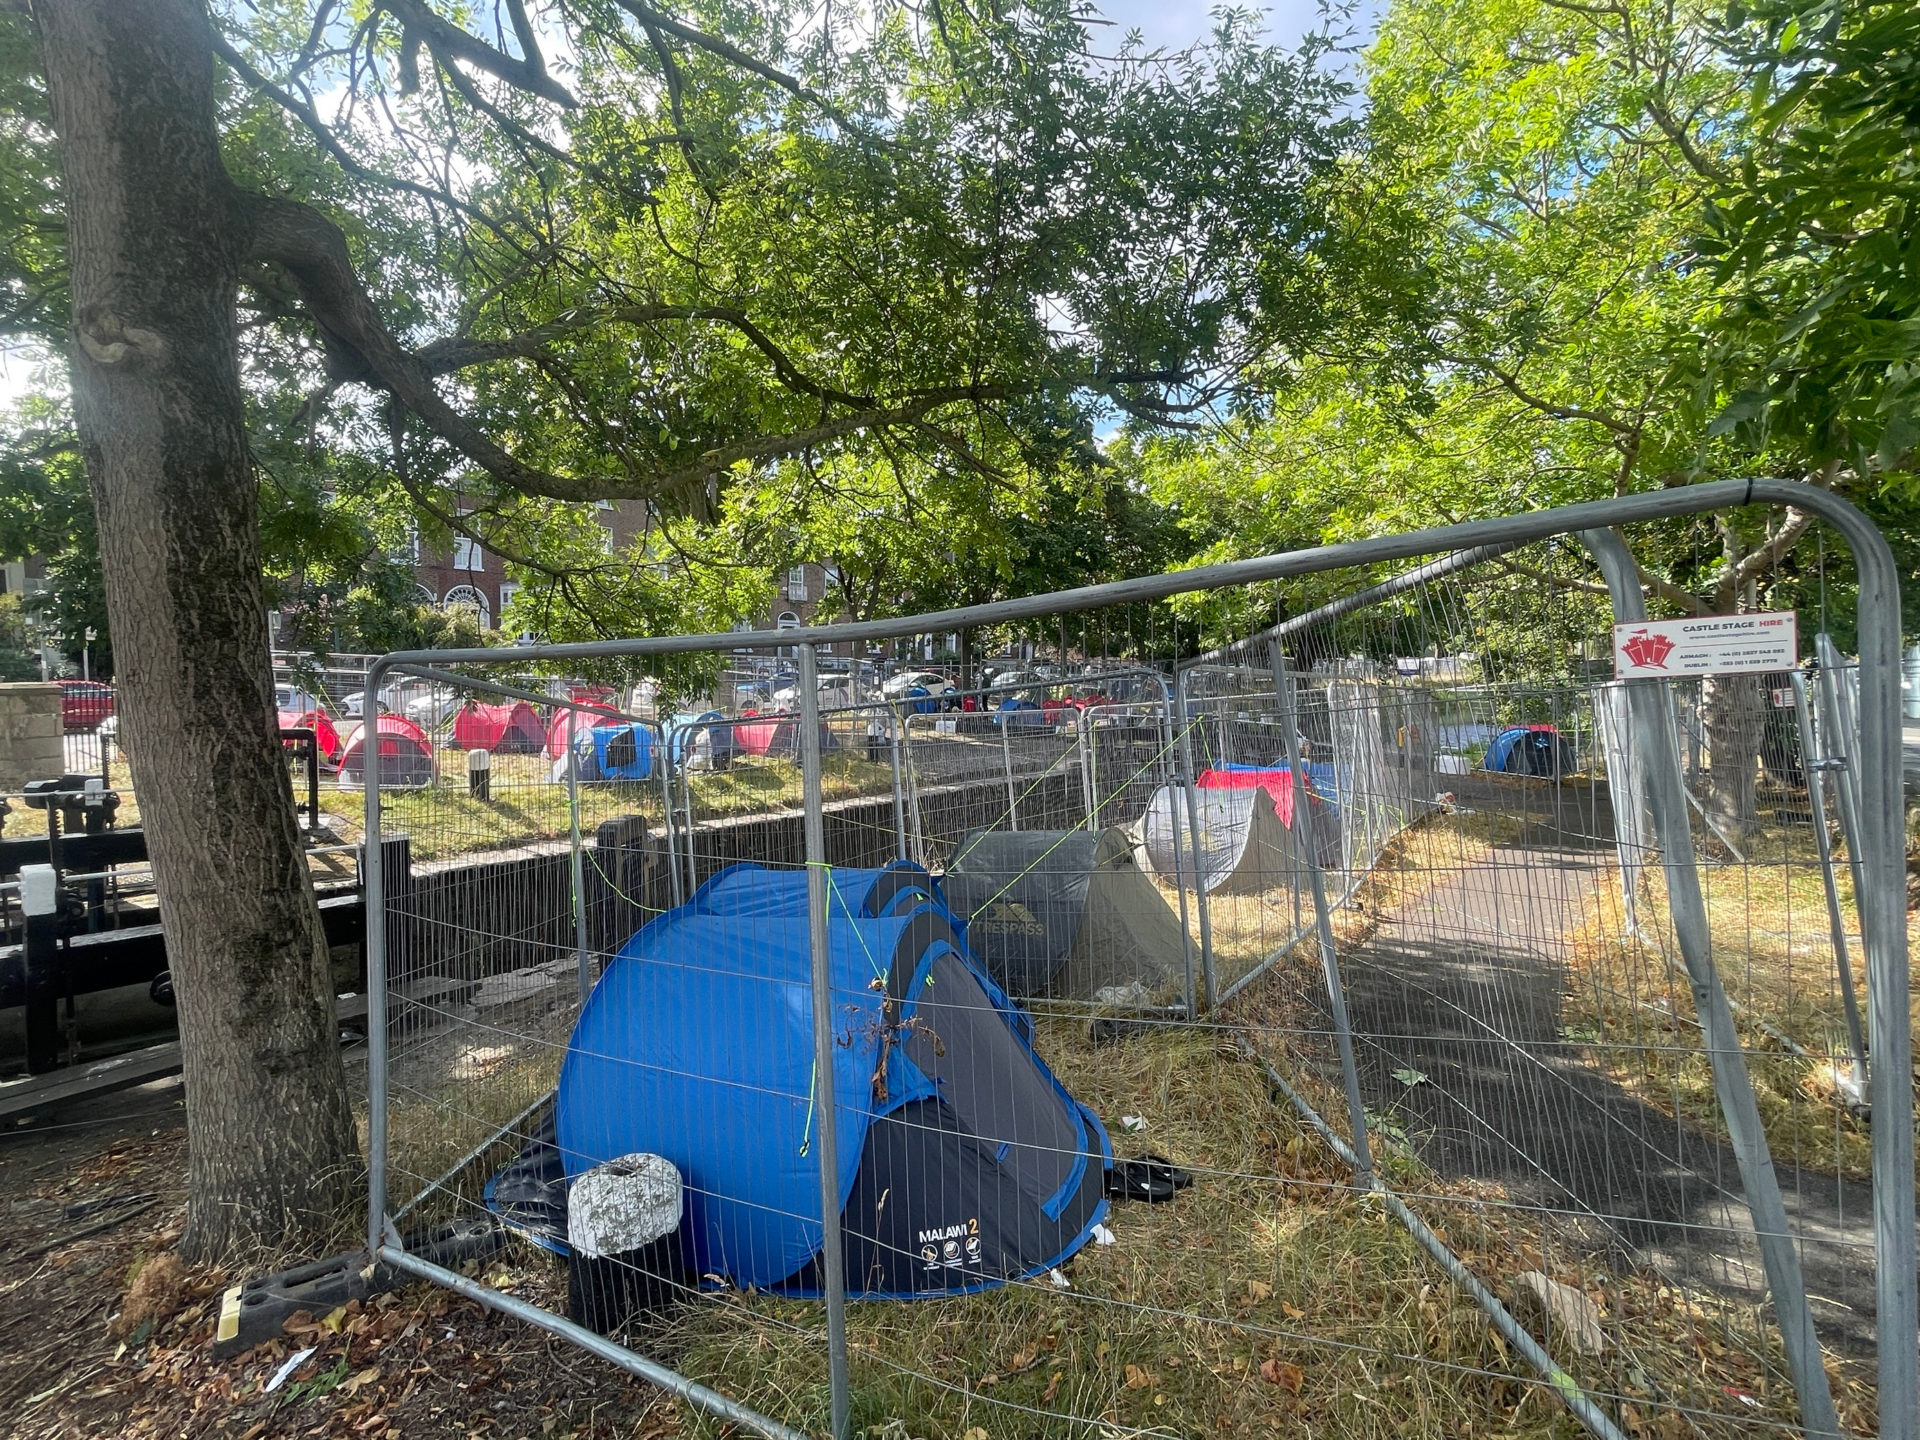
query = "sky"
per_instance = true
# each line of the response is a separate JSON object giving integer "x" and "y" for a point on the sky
{"x": 1174, "y": 23}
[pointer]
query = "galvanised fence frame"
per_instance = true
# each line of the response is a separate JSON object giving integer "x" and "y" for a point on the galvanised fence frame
{"x": 1878, "y": 850}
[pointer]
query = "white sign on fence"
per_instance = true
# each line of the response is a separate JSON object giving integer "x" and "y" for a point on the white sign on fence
{"x": 1706, "y": 645}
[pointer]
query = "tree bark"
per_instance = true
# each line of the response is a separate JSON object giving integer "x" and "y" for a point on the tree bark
{"x": 1733, "y": 714}
{"x": 157, "y": 232}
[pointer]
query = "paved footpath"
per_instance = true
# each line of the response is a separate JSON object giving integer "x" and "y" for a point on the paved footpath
{"x": 1465, "y": 986}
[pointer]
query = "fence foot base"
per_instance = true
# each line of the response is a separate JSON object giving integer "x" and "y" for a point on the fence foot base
{"x": 252, "y": 1313}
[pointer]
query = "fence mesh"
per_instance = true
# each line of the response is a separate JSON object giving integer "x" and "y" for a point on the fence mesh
{"x": 1215, "y": 1047}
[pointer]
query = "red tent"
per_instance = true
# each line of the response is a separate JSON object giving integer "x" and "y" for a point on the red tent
{"x": 326, "y": 737}
{"x": 557, "y": 728}
{"x": 406, "y": 756}
{"x": 513, "y": 729}
{"x": 775, "y": 734}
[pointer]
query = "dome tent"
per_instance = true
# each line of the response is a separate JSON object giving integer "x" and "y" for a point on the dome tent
{"x": 512, "y": 729}
{"x": 962, "y": 1162}
{"x": 611, "y": 750}
{"x": 571, "y": 720}
{"x": 1531, "y": 750}
{"x": 1064, "y": 912}
{"x": 406, "y": 756}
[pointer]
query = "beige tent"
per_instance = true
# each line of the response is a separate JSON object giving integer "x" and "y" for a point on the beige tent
{"x": 1065, "y": 913}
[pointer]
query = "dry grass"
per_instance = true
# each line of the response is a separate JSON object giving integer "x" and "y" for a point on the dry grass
{"x": 1629, "y": 997}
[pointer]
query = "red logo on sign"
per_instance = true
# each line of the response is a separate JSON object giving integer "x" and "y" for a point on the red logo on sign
{"x": 1647, "y": 652}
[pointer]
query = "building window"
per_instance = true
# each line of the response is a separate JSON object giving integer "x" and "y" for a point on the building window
{"x": 797, "y": 583}
{"x": 472, "y": 600}
{"x": 508, "y": 589}
{"x": 426, "y": 595}
{"x": 410, "y": 547}
{"x": 467, "y": 554}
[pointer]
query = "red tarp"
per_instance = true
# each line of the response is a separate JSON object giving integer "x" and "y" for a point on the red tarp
{"x": 1277, "y": 783}
{"x": 514, "y": 729}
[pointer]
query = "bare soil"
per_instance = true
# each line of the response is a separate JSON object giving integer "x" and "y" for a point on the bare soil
{"x": 98, "y": 1195}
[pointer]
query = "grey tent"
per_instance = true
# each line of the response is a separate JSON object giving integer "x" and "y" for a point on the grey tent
{"x": 1065, "y": 913}
{"x": 1244, "y": 847}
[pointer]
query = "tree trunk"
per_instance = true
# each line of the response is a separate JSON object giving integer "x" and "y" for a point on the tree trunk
{"x": 156, "y": 233}
{"x": 1733, "y": 714}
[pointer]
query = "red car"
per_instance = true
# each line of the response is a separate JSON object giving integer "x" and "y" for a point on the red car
{"x": 84, "y": 704}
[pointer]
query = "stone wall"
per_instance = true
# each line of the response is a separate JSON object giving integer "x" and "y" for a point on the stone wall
{"x": 30, "y": 744}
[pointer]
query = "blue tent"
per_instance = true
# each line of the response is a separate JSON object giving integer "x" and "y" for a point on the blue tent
{"x": 625, "y": 752}
{"x": 709, "y": 735}
{"x": 962, "y": 1162}
{"x": 1017, "y": 711}
{"x": 1530, "y": 750}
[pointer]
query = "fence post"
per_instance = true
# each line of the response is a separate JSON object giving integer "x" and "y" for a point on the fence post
{"x": 583, "y": 958}
{"x": 1841, "y": 724}
{"x": 1179, "y": 882}
{"x": 1659, "y": 742}
{"x": 1006, "y": 761}
{"x": 668, "y": 765}
{"x": 899, "y": 784}
{"x": 1814, "y": 764}
{"x": 1083, "y": 732}
{"x": 826, "y": 1113}
{"x": 373, "y": 896}
{"x": 1183, "y": 758}
{"x": 1322, "y": 919}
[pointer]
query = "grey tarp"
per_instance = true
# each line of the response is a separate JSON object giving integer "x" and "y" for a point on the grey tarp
{"x": 1064, "y": 913}
{"x": 1243, "y": 846}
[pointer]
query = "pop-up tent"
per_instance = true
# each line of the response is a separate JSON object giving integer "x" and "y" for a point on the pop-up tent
{"x": 963, "y": 1163}
{"x": 611, "y": 750}
{"x": 1244, "y": 846}
{"x": 513, "y": 729}
{"x": 406, "y": 757}
{"x": 777, "y": 736}
{"x": 701, "y": 740}
{"x": 326, "y": 738}
{"x": 1064, "y": 912}
{"x": 1530, "y": 750}
{"x": 568, "y": 720}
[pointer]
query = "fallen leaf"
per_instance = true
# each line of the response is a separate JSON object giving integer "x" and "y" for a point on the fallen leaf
{"x": 1287, "y": 1376}
{"x": 1138, "y": 1379}
{"x": 976, "y": 1433}
{"x": 1025, "y": 1358}
{"x": 365, "y": 1377}
{"x": 1410, "y": 1077}
{"x": 335, "y": 1318}
{"x": 1258, "y": 1290}
{"x": 1292, "y": 1311}
{"x": 1053, "y": 1387}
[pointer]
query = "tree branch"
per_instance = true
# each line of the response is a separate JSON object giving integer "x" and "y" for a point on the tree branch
{"x": 448, "y": 42}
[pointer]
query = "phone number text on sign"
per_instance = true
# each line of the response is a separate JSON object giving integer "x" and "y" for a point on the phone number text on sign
{"x": 1706, "y": 645}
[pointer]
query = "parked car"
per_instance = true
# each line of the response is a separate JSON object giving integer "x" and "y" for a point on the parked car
{"x": 293, "y": 698}
{"x": 84, "y": 705}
